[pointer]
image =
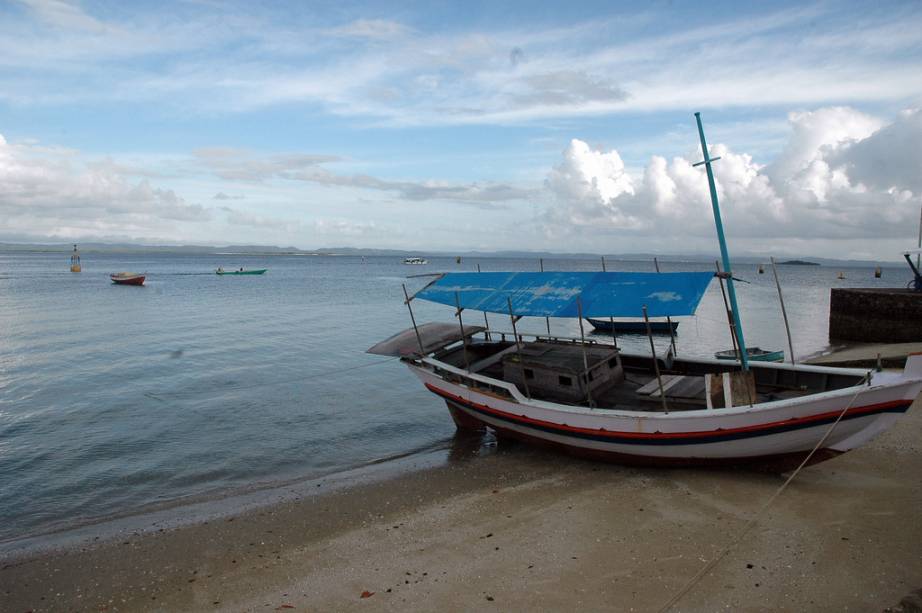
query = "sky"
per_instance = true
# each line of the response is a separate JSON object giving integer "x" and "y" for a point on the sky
{"x": 460, "y": 126}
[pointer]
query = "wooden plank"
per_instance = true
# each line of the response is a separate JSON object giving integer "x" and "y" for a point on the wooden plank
{"x": 653, "y": 385}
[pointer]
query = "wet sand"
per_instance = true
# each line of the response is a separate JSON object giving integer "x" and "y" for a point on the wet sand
{"x": 520, "y": 530}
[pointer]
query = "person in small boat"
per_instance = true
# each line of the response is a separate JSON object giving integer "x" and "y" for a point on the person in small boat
{"x": 241, "y": 269}
{"x": 220, "y": 269}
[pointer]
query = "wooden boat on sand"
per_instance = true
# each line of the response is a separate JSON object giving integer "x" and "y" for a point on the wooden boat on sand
{"x": 127, "y": 278}
{"x": 588, "y": 398}
{"x": 591, "y": 399}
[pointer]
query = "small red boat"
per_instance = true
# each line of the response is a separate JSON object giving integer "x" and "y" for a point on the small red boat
{"x": 127, "y": 278}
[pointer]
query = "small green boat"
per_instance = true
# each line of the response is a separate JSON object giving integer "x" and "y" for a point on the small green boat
{"x": 254, "y": 271}
{"x": 754, "y": 353}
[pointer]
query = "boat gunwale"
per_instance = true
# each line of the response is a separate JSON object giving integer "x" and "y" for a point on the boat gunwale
{"x": 704, "y": 413}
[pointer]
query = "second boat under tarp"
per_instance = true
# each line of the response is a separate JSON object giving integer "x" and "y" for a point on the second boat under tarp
{"x": 753, "y": 353}
{"x": 621, "y": 326}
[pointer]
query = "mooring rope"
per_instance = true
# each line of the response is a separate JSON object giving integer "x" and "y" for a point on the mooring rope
{"x": 752, "y": 522}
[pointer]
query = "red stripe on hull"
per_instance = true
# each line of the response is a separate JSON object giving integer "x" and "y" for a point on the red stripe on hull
{"x": 781, "y": 462}
{"x": 819, "y": 417}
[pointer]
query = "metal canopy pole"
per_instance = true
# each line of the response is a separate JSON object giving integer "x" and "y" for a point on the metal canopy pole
{"x": 413, "y": 319}
{"x": 547, "y": 320}
{"x": 486, "y": 322}
{"x": 467, "y": 362}
{"x": 659, "y": 379}
{"x": 784, "y": 313}
{"x": 668, "y": 319}
{"x": 518, "y": 348}
{"x": 611, "y": 320}
{"x": 582, "y": 344}
{"x": 724, "y": 254}
{"x": 727, "y": 309}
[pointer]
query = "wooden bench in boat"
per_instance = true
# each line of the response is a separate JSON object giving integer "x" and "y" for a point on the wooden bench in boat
{"x": 686, "y": 388}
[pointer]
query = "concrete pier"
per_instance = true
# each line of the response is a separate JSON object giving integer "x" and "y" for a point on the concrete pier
{"x": 875, "y": 315}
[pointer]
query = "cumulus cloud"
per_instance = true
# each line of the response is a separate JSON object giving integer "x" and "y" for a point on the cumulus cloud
{"x": 842, "y": 175}
{"x": 237, "y": 165}
{"x": 47, "y": 191}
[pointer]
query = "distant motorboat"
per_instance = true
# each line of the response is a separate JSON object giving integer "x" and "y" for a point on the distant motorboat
{"x": 754, "y": 353}
{"x": 242, "y": 271}
{"x": 127, "y": 278}
{"x": 633, "y": 326}
{"x": 416, "y": 261}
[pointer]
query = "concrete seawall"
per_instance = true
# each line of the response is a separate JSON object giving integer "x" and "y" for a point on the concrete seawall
{"x": 875, "y": 315}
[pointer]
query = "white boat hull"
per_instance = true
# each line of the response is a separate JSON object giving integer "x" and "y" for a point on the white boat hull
{"x": 779, "y": 432}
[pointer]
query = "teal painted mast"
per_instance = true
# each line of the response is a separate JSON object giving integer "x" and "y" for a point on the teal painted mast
{"x": 724, "y": 254}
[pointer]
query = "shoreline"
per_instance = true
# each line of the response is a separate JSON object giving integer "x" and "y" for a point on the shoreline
{"x": 521, "y": 529}
{"x": 214, "y": 505}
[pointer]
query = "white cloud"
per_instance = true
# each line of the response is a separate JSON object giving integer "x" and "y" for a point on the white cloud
{"x": 376, "y": 29}
{"x": 591, "y": 182}
{"x": 202, "y": 60}
{"x": 842, "y": 176}
{"x": 64, "y": 14}
{"x": 238, "y": 165}
{"x": 48, "y": 191}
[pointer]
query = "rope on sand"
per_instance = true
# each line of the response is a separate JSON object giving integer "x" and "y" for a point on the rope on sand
{"x": 701, "y": 574}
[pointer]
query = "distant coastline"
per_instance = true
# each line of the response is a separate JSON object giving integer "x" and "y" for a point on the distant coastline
{"x": 268, "y": 250}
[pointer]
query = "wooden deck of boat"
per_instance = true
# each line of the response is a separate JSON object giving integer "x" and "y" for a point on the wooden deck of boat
{"x": 683, "y": 383}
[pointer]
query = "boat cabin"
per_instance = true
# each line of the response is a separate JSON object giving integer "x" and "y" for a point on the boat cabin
{"x": 558, "y": 372}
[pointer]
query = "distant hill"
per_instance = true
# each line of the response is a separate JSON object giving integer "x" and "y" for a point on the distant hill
{"x": 97, "y": 247}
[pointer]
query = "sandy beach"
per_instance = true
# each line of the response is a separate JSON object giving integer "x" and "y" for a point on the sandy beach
{"x": 522, "y": 530}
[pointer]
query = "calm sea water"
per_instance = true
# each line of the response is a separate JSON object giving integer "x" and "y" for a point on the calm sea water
{"x": 114, "y": 399}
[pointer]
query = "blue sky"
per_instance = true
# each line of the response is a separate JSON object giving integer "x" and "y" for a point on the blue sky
{"x": 455, "y": 126}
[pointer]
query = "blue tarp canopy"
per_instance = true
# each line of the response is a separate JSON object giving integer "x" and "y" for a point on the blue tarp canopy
{"x": 554, "y": 294}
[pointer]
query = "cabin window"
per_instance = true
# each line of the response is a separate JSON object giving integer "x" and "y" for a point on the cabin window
{"x": 529, "y": 373}
{"x": 564, "y": 380}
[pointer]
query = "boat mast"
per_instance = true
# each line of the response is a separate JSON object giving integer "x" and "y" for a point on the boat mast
{"x": 724, "y": 254}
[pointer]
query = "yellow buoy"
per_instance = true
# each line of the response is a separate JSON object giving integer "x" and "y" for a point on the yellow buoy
{"x": 75, "y": 260}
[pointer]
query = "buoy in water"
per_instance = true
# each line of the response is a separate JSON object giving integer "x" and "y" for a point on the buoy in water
{"x": 761, "y": 270}
{"x": 877, "y": 273}
{"x": 75, "y": 260}
{"x": 841, "y": 275}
